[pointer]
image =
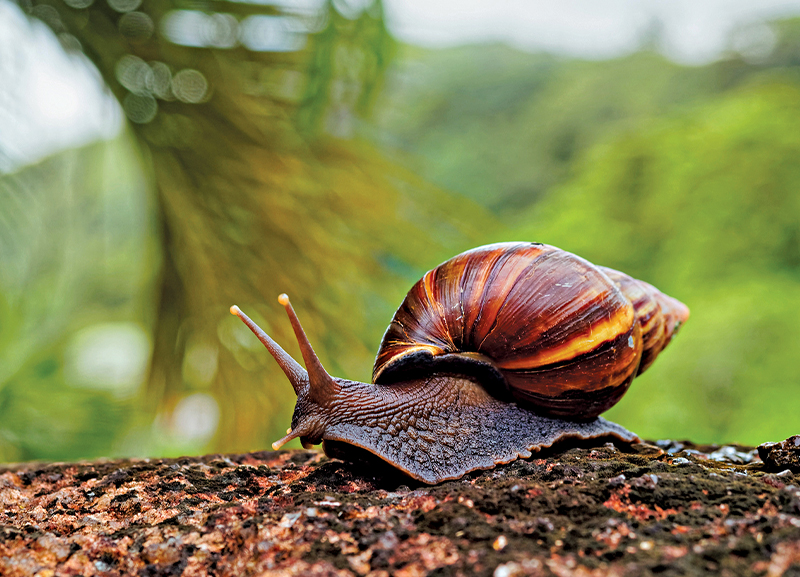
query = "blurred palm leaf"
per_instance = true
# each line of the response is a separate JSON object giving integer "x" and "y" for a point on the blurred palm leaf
{"x": 247, "y": 114}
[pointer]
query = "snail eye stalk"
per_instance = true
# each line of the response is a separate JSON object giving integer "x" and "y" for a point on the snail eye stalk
{"x": 323, "y": 387}
{"x": 296, "y": 374}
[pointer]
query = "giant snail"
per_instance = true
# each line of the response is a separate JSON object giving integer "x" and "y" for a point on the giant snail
{"x": 497, "y": 353}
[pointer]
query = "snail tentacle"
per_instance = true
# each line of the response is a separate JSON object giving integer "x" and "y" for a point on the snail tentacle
{"x": 296, "y": 374}
{"x": 323, "y": 387}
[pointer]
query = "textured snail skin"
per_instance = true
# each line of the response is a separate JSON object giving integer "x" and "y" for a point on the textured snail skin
{"x": 453, "y": 427}
{"x": 495, "y": 354}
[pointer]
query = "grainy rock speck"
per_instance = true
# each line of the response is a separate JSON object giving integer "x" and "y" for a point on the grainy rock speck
{"x": 671, "y": 509}
{"x": 781, "y": 456}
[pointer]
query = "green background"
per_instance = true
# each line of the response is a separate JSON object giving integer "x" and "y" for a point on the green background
{"x": 340, "y": 172}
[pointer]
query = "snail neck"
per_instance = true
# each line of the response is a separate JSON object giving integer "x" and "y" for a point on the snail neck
{"x": 362, "y": 407}
{"x": 360, "y": 412}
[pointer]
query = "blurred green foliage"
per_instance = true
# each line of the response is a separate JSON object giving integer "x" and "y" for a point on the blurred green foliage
{"x": 309, "y": 171}
{"x": 705, "y": 206}
{"x": 255, "y": 186}
{"x": 77, "y": 251}
{"x": 686, "y": 177}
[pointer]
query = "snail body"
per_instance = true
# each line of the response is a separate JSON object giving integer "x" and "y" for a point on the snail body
{"x": 494, "y": 354}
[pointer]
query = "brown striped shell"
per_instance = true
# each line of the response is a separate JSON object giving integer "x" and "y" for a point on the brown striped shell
{"x": 557, "y": 333}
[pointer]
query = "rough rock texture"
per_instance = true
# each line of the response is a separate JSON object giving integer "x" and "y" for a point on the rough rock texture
{"x": 672, "y": 509}
{"x": 783, "y": 455}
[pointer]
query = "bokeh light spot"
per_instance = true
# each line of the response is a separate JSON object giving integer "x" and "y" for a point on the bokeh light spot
{"x": 109, "y": 356}
{"x": 78, "y": 4}
{"x": 222, "y": 31}
{"x": 134, "y": 74}
{"x": 159, "y": 81}
{"x": 195, "y": 418}
{"x": 200, "y": 364}
{"x": 195, "y": 28}
{"x": 184, "y": 27}
{"x": 271, "y": 34}
{"x": 124, "y": 5}
{"x": 190, "y": 86}
{"x": 140, "y": 108}
{"x": 69, "y": 42}
{"x": 136, "y": 26}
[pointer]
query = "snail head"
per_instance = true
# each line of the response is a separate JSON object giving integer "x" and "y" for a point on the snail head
{"x": 316, "y": 390}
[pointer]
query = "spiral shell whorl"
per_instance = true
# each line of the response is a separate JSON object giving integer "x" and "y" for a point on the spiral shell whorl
{"x": 563, "y": 338}
{"x": 659, "y": 315}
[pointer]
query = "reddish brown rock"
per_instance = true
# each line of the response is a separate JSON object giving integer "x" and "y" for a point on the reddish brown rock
{"x": 781, "y": 456}
{"x": 670, "y": 509}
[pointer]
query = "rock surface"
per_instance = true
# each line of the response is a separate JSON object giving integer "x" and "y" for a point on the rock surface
{"x": 783, "y": 455}
{"x": 670, "y": 508}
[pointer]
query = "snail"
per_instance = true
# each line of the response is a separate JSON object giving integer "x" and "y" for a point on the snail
{"x": 497, "y": 353}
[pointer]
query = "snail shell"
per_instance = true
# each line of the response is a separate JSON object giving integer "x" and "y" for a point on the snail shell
{"x": 559, "y": 334}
